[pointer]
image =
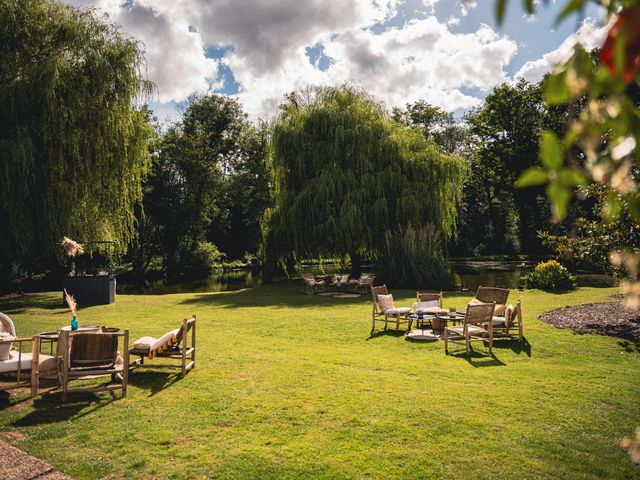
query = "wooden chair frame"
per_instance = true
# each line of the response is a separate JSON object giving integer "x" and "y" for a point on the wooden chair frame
{"x": 67, "y": 372}
{"x": 503, "y": 331}
{"x": 379, "y": 316}
{"x": 309, "y": 289}
{"x": 181, "y": 350}
{"x": 496, "y": 295}
{"x": 25, "y": 377}
{"x": 428, "y": 297}
{"x": 478, "y": 316}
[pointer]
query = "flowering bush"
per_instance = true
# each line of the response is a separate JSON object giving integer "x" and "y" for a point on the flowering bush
{"x": 550, "y": 276}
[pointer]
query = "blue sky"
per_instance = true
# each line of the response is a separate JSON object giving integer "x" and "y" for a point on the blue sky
{"x": 449, "y": 53}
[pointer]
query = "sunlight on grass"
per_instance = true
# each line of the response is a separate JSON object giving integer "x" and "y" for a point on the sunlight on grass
{"x": 293, "y": 386}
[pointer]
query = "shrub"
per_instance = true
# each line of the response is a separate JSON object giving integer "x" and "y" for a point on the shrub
{"x": 199, "y": 260}
{"x": 551, "y": 277}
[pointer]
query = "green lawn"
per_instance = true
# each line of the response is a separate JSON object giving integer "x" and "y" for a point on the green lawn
{"x": 291, "y": 386}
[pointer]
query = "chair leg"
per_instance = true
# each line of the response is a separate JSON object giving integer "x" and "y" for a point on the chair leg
{"x": 386, "y": 320}
{"x": 468, "y": 344}
{"x": 446, "y": 341}
{"x": 397, "y": 322}
{"x": 520, "y": 332}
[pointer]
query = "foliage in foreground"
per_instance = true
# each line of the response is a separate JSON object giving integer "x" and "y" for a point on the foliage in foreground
{"x": 73, "y": 151}
{"x": 550, "y": 276}
{"x": 345, "y": 175}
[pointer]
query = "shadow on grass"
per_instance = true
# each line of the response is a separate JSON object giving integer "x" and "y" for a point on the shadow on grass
{"x": 153, "y": 381}
{"x": 515, "y": 345}
{"x": 16, "y": 304}
{"x": 49, "y": 408}
{"x": 629, "y": 346}
{"x": 389, "y": 332}
{"x": 478, "y": 359}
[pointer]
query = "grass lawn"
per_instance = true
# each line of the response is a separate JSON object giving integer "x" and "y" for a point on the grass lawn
{"x": 291, "y": 386}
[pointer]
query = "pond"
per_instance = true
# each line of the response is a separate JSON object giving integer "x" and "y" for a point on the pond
{"x": 468, "y": 275}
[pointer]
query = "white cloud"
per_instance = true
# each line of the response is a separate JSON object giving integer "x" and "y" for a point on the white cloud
{"x": 589, "y": 35}
{"x": 267, "y": 40}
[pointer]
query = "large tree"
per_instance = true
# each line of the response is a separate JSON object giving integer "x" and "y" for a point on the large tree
{"x": 209, "y": 184}
{"x": 73, "y": 150}
{"x": 346, "y": 175}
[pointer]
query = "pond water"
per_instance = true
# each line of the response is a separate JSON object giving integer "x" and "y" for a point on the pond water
{"x": 468, "y": 275}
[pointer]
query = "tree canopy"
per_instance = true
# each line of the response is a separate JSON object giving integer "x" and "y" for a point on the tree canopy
{"x": 345, "y": 175}
{"x": 73, "y": 150}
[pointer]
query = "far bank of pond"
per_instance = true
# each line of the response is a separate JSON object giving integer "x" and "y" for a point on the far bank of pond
{"x": 468, "y": 275}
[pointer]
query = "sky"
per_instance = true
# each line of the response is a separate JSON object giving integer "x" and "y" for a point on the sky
{"x": 447, "y": 52}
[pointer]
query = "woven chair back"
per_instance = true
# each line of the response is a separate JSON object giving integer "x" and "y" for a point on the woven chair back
{"x": 7, "y": 324}
{"x": 429, "y": 297}
{"x": 479, "y": 314}
{"x": 375, "y": 291}
{"x": 93, "y": 350}
{"x": 492, "y": 294}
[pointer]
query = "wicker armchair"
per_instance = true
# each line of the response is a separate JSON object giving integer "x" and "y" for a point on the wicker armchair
{"x": 476, "y": 327}
{"x": 499, "y": 296}
{"x": 84, "y": 356}
{"x": 511, "y": 323}
{"x": 311, "y": 285}
{"x": 381, "y": 314}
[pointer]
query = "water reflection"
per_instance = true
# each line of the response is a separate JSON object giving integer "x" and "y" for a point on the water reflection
{"x": 468, "y": 275}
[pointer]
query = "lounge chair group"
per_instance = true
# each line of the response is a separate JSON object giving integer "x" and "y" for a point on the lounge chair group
{"x": 486, "y": 316}
{"x": 342, "y": 282}
{"x": 85, "y": 355}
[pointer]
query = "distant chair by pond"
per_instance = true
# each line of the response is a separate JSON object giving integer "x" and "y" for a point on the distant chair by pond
{"x": 311, "y": 284}
{"x": 383, "y": 309}
{"x": 176, "y": 344}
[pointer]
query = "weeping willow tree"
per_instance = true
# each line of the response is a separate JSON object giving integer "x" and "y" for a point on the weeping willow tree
{"x": 346, "y": 175}
{"x": 73, "y": 150}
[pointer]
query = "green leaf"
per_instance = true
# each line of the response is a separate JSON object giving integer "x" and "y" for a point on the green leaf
{"x": 551, "y": 151}
{"x": 501, "y": 7}
{"x": 634, "y": 208}
{"x": 570, "y": 177}
{"x": 556, "y": 90}
{"x": 531, "y": 177}
{"x": 571, "y": 7}
{"x": 529, "y": 6}
{"x": 559, "y": 196}
{"x": 612, "y": 207}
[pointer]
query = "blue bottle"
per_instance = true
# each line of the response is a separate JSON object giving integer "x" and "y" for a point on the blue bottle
{"x": 74, "y": 323}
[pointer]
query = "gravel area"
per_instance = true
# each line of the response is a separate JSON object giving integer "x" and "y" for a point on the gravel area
{"x": 17, "y": 465}
{"x": 611, "y": 319}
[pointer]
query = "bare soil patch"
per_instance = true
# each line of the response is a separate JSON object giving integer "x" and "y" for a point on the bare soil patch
{"x": 611, "y": 319}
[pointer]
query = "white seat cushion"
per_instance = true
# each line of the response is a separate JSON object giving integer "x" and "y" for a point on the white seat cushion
{"x": 144, "y": 343}
{"x": 499, "y": 321}
{"x": 398, "y": 311}
{"x": 429, "y": 306}
{"x": 165, "y": 340}
{"x": 473, "y": 330}
{"x": 11, "y": 364}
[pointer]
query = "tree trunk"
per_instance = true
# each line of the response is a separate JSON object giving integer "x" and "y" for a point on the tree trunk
{"x": 6, "y": 277}
{"x": 356, "y": 267}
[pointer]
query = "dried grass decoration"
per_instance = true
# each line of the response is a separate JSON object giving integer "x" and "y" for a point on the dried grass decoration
{"x": 71, "y": 302}
{"x": 71, "y": 247}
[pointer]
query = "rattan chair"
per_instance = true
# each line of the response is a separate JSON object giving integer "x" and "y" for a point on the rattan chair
{"x": 380, "y": 315}
{"x": 477, "y": 326}
{"x": 311, "y": 285}
{"x": 511, "y": 323}
{"x": 499, "y": 296}
{"x": 84, "y": 356}
{"x": 16, "y": 371}
{"x": 176, "y": 345}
